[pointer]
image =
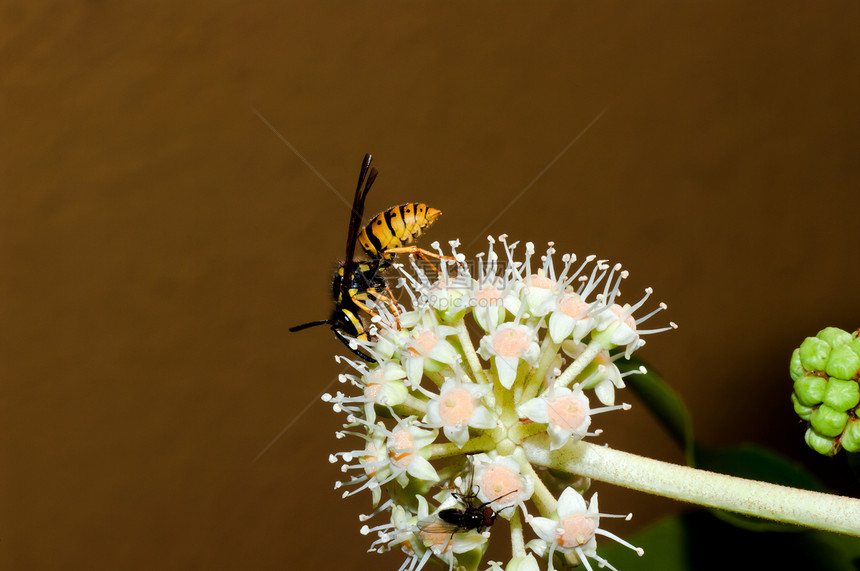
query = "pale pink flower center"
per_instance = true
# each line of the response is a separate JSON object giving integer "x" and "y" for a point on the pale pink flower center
{"x": 371, "y": 455}
{"x": 371, "y": 390}
{"x": 539, "y": 281}
{"x": 400, "y": 448}
{"x": 375, "y": 380}
{"x": 456, "y": 406}
{"x": 488, "y": 296}
{"x": 502, "y": 484}
{"x": 573, "y": 306}
{"x": 438, "y": 539}
{"x": 510, "y": 342}
{"x": 620, "y": 311}
{"x": 425, "y": 341}
{"x": 577, "y": 530}
{"x": 566, "y": 412}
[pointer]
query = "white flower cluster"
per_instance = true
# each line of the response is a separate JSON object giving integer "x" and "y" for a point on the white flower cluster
{"x": 546, "y": 336}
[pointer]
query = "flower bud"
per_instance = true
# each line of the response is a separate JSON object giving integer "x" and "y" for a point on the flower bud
{"x": 820, "y": 444}
{"x": 827, "y": 421}
{"x": 825, "y": 370}
{"x": 842, "y": 395}
{"x": 814, "y": 353}
{"x": 802, "y": 410}
{"x": 843, "y": 362}
{"x": 810, "y": 389}
{"x": 834, "y": 336}
{"x": 851, "y": 436}
{"x": 795, "y": 367}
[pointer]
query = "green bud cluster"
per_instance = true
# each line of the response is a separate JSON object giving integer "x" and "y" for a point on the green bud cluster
{"x": 825, "y": 370}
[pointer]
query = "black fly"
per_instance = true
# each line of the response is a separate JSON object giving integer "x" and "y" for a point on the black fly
{"x": 470, "y": 516}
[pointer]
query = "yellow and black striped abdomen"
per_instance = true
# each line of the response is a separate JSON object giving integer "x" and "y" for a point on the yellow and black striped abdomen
{"x": 396, "y": 227}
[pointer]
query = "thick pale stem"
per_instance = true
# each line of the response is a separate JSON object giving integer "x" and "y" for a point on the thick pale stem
{"x": 435, "y": 376}
{"x": 414, "y": 406}
{"x": 548, "y": 351}
{"x": 471, "y": 356}
{"x": 518, "y": 544}
{"x": 580, "y": 363}
{"x": 542, "y": 498}
{"x": 769, "y": 501}
{"x": 483, "y": 443}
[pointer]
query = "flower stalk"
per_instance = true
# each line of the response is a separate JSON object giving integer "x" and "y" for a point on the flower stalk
{"x": 750, "y": 497}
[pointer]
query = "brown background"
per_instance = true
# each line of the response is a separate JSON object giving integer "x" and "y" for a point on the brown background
{"x": 158, "y": 238}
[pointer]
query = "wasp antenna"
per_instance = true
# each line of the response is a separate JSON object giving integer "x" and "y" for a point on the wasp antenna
{"x": 311, "y": 324}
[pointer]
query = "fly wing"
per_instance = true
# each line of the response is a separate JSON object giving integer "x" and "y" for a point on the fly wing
{"x": 447, "y": 537}
{"x": 435, "y": 526}
{"x": 365, "y": 180}
{"x": 436, "y": 534}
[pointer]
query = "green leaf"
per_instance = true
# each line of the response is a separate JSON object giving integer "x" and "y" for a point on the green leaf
{"x": 665, "y": 403}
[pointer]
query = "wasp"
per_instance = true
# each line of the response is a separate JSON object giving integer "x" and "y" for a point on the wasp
{"x": 358, "y": 281}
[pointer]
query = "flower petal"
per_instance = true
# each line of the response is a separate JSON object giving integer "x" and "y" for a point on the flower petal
{"x": 544, "y": 527}
{"x": 605, "y": 392}
{"x": 420, "y": 468}
{"x": 482, "y": 418}
{"x": 535, "y": 409}
{"x": 570, "y": 503}
{"x": 414, "y": 369}
{"x": 459, "y": 435}
{"x": 507, "y": 370}
{"x": 560, "y": 326}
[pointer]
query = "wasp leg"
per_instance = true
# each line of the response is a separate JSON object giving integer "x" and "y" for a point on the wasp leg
{"x": 359, "y": 303}
{"x": 420, "y": 252}
{"x": 388, "y": 299}
{"x": 346, "y": 339}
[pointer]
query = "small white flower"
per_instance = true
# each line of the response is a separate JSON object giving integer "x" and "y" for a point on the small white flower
{"x": 372, "y": 461}
{"x": 572, "y": 529}
{"x": 382, "y": 386}
{"x": 458, "y": 407}
{"x": 621, "y": 327}
{"x": 527, "y": 563}
{"x": 450, "y": 299}
{"x": 565, "y": 411}
{"x": 488, "y": 304}
{"x": 399, "y": 532}
{"x": 507, "y": 346}
{"x": 500, "y": 483}
{"x": 620, "y": 323}
{"x": 406, "y": 444}
{"x": 605, "y": 377}
{"x": 538, "y": 290}
{"x": 439, "y": 538}
{"x": 570, "y": 315}
{"x": 427, "y": 347}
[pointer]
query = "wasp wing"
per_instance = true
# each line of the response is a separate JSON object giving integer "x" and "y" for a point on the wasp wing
{"x": 365, "y": 180}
